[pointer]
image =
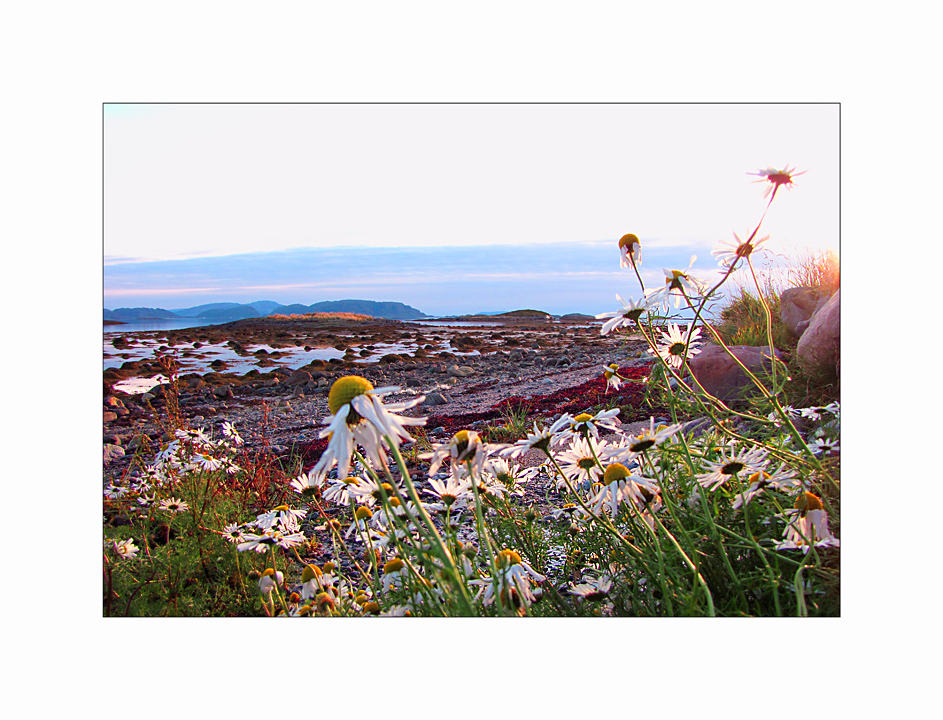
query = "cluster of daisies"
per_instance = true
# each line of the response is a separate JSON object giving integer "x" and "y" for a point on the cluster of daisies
{"x": 151, "y": 489}
{"x": 604, "y": 471}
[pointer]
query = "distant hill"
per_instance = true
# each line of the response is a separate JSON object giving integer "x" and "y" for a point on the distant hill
{"x": 241, "y": 311}
{"x": 387, "y": 310}
{"x": 293, "y": 309}
{"x": 138, "y": 313}
{"x": 200, "y": 309}
{"x": 264, "y": 307}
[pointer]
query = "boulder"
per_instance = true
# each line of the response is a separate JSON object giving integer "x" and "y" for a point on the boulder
{"x": 796, "y": 306}
{"x": 112, "y": 452}
{"x": 819, "y": 348}
{"x": 299, "y": 377}
{"x": 223, "y": 391}
{"x": 722, "y": 377}
{"x": 435, "y": 398}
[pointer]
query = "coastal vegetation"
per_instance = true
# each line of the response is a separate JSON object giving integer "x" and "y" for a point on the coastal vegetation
{"x": 710, "y": 507}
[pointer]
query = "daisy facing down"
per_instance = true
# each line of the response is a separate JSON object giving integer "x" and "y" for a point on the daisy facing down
{"x": 360, "y": 418}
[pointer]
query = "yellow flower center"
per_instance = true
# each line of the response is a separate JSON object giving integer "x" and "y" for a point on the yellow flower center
{"x": 346, "y": 389}
{"x": 268, "y": 572}
{"x": 582, "y": 417}
{"x": 372, "y": 608}
{"x": 460, "y": 440}
{"x": 392, "y": 566}
{"x": 642, "y": 445}
{"x": 363, "y": 513}
{"x": 506, "y": 558}
{"x": 280, "y": 508}
{"x": 759, "y": 477}
{"x": 614, "y": 473}
{"x": 324, "y": 602}
{"x": 352, "y": 481}
{"x": 310, "y": 573}
{"x": 807, "y": 501}
{"x": 378, "y": 493}
{"x": 328, "y": 566}
{"x": 627, "y": 241}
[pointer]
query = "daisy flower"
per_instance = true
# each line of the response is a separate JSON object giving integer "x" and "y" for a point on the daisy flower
{"x": 824, "y": 445}
{"x": 283, "y": 517}
{"x": 314, "y": 581}
{"x": 676, "y": 346}
{"x": 394, "y": 574}
{"x": 340, "y": 489}
{"x": 780, "y": 479}
{"x": 620, "y": 485}
{"x": 610, "y": 372}
{"x": 585, "y": 424}
{"x": 173, "y": 505}
{"x": 370, "y": 492}
{"x": 309, "y": 483}
{"x": 360, "y": 417}
{"x": 512, "y": 478}
{"x": 630, "y": 447}
{"x": 631, "y": 311}
{"x": 207, "y": 463}
{"x": 229, "y": 430}
{"x": 678, "y": 283}
{"x": 729, "y": 253}
{"x": 630, "y": 250}
{"x": 233, "y": 533}
{"x": 808, "y": 526}
{"x": 465, "y": 446}
{"x": 720, "y": 471}
{"x": 453, "y": 492}
{"x": 578, "y": 461}
{"x": 776, "y": 179}
{"x": 257, "y": 543}
{"x": 540, "y": 439}
{"x": 270, "y": 578}
{"x": 124, "y": 548}
{"x": 811, "y": 413}
{"x": 592, "y": 589}
{"x": 512, "y": 584}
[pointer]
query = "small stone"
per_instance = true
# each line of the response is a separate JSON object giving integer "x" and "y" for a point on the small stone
{"x": 435, "y": 399}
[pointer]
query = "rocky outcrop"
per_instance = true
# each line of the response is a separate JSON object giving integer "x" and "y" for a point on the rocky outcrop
{"x": 720, "y": 374}
{"x": 819, "y": 347}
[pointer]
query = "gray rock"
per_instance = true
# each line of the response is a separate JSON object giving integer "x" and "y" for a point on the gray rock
{"x": 796, "y": 306}
{"x": 435, "y": 398}
{"x": 112, "y": 452}
{"x": 819, "y": 348}
{"x": 722, "y": 377}
{"x": 222, "y": 391}
{"x": 299, "y": 377}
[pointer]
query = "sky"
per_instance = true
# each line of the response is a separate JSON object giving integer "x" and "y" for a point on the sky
{"x": 450, "y": 208}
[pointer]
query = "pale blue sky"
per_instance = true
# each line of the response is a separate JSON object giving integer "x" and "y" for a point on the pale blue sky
{"x": 211, "y": 181}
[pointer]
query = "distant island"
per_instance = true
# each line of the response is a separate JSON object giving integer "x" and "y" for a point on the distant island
{"x": 226, "y": 312}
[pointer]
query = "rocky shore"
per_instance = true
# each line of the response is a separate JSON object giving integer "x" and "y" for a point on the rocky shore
{"x": 468, "y": 375}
